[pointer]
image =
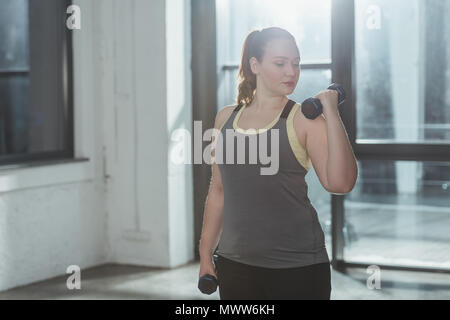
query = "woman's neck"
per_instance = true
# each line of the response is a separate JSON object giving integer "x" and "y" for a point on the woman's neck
{"x": 263, "y": 103}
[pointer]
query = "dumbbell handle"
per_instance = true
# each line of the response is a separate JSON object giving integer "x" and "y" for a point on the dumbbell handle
{"x": 312, "y": 107}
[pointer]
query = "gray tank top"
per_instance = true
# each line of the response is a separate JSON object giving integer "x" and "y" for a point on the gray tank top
{"x": 268, "y": 220}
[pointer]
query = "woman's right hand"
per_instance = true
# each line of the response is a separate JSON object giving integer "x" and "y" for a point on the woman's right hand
{"x": 207, "y": 267}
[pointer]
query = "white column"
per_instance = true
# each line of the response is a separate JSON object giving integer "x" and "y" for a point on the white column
{"x": 405, "y": 42}
{"x": 145, "y": 54}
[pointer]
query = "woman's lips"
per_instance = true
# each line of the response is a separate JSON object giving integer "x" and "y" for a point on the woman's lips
{"x": 289, "y": 84}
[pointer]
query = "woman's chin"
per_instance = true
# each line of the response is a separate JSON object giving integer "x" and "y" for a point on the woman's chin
{"x": 290, "y": 90}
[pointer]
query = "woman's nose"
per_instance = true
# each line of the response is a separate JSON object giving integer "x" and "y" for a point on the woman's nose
{"x": 290, "y": 71}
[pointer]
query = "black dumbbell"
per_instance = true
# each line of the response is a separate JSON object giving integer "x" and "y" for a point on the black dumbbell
{"x": 208, "y": 283}
{"x": 312, "y": 107}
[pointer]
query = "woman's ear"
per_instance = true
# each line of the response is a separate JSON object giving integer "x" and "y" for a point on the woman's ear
{"x": 254, "y": 65}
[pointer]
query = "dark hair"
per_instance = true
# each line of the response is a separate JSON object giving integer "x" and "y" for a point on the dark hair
{"x": 254, "y": 46}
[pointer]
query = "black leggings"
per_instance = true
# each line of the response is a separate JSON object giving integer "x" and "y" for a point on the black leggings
{"x": 238, "y": 281}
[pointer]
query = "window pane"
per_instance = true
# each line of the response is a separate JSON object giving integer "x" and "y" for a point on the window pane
{"x": 14, "y": 35}
{"x": 308, "y": 21}
{"x": 398, "y": 214}
{"x": 34, "y": 116}
{"x": 14, "y": 79}
{"x": 14, "y": 115}
{"x": 403, "y": 70}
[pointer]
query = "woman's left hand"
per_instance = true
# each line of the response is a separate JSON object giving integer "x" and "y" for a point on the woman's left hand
{"x": 329, "y": 100}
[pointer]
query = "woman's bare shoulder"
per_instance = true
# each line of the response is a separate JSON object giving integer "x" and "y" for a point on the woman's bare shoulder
{"x": 223, "y": 115}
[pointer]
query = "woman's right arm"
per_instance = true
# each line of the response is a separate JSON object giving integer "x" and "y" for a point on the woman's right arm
{"x": 212, "y": 216}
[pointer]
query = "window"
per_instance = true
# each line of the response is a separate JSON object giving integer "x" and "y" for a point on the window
{"x": 36, "y": 116}
{"x": 398, "y": 211}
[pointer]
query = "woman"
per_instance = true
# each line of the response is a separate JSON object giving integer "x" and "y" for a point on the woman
{"x": 270, "y": 242}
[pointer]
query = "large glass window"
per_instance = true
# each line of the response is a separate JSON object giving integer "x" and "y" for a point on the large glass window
{"x": 398, "y": 214}
{"x": 35, "y": 83}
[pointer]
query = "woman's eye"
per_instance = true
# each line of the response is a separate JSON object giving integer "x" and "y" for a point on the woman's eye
{"x": 281, "y": 64}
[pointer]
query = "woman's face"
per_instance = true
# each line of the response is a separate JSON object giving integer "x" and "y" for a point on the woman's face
{"x": 279, "y": 69}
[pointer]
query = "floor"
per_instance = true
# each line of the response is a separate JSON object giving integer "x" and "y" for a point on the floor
{"x": 129, "y": 282}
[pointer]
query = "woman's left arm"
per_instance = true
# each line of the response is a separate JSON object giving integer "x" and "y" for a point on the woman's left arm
{"x": 342, "y": 169}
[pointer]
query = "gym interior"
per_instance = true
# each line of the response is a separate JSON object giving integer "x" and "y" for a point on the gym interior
{"x": 95, "y": 97}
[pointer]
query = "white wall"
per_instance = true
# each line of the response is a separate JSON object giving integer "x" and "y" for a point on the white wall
{"x": 128, "y": 204}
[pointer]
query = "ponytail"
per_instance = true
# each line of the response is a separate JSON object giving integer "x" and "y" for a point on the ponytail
{"x": 247, "y": 83}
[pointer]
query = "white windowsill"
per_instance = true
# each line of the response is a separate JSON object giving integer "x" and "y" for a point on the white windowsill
{"x": 45, "y": 173}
